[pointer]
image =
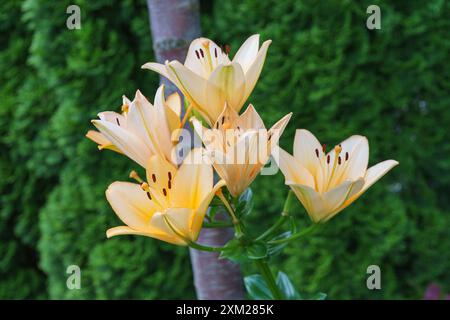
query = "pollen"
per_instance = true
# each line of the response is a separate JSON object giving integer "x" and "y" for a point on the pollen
{"x": 135, "y": 176}
{"x": 338, "y": 149}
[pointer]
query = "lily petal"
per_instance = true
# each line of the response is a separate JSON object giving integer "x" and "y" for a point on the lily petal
{"x": 125, "y": 141}
{"x": 250, "y": 119}
{"x": 193, "y": 182}
{"x": 191, "y": 84}
{"x": 306, "y": 148}
{"x": 124, "y": 230}
{"x": 159, "y": 68}
{"x": 131, "y": 204}
{"x": 229, "y": 82}
{"x": 292, "y": 169}
{"x": 247, "y": 52}
{"x": 311, "y": 200}
{"x": 253, "y": 72}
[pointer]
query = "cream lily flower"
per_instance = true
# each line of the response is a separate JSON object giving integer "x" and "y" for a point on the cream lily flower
{"x": 208, "y": 79}
{"x": 171, "y": 205}
{"x": 327, "y": 183}
{"x": 143, "y": 129}
{"x": 239, "y": 146}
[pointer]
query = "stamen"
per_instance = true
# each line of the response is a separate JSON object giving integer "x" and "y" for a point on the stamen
{"x": 164, "y": 191}
{"x": 339, "y": 160}
{"x": 317, "y": 153}
{"x": 149, "y": 196}
{"x": 346, "y": 156}
{"x": 135, "y": 176}
{"x": 118, "y": 123}
{"x": 170, "y": 175}
{"x": 227, "y": 49}
{"x": 197, "y": 54}
{"x": 153, "y": 177}
{"x": 144, "y": 186}
{"x": 201, "y": 52}
{"x": 338, "y": 149}
{"x": 169, "y": 184}
{"x": 324, "y": 148}
{"x": 328, "y": 159}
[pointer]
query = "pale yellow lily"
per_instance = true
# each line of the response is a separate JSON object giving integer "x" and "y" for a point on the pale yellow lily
{"x": 171, "y": 205}
{"x": 143, "y": 129}
{"x": 208, "y": 79}
{"x": 327, "y": 183}
{"x": 239, "y": 146}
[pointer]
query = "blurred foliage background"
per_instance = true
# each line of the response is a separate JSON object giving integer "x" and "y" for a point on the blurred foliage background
{"x": 339, "y": 78}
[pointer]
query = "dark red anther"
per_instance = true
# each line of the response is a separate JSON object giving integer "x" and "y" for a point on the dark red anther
{"x": 169, "y": 174}
{"x": 227, "y": 49}
{"x": 153, "y": 177}
{"x": 339, "y": 160}
{"x": 169, "y": 184}
{"x": 165, "y": 191}
{"x": 328, "y": 159}
{"x": 149, "y": 196}
{"x": 324, "y": 148}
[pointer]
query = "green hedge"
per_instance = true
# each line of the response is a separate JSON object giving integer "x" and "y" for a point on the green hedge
{"x": 391, "y": 85}
{"x": 324, "y": 65}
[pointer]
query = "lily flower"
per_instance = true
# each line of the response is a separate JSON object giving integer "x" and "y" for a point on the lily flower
{"x": 208, "y": 79}
{"x": 239, "y": 146}
{"x": 327, "y": 183}
{"x": 143, "y": 129}
{"x": 171, "y": 205}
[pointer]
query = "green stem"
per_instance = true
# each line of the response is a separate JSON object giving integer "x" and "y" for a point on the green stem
{"x": 227, "y": 205}
{"x": 268, "y": 277}
{"x": 217, "y": 225}
{"x": 284, "y": 215}
{"x": 305, "y": 232}
{"x": 201, "y": 247}
{"x": 273, "y": 228}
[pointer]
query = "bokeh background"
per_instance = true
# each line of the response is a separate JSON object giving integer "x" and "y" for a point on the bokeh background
{"x": 339, "y": 78}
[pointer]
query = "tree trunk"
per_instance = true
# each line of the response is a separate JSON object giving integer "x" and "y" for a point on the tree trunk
{"x": 174, "y": 24}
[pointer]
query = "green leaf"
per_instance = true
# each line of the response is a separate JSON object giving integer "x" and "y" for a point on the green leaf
{"x": 234, "y": 251}
{"x": 257, "y": 287}
{"x": 274, "y": 249}
{"x": 257, "y": 250}
{"x": 286, "y": 287}
{"x": 319, "y": 296}
{"x": 245, "y": 203}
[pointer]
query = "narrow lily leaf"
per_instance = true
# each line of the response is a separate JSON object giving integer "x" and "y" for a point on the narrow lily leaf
{"x": 287, "y": 287}
{"x": 257, "y": 250}
{"x": 257, "y": 287}
{"x": 274, "y": 249}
